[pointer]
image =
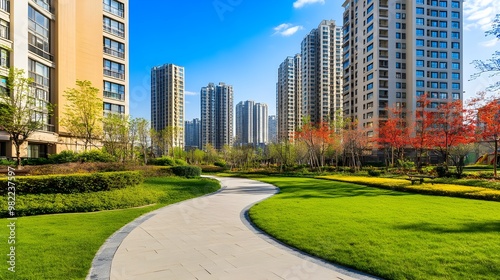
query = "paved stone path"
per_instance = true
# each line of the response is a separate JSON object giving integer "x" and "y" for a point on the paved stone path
{"x": 208, "y": 238}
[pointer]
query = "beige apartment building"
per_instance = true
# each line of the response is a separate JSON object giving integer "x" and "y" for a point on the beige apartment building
{"x": 396, "y": 51}
{"x": 58, "y": 42}
{"x": 289, "y": 98}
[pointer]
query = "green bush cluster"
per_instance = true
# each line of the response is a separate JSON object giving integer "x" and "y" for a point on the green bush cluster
{"x": 6, "y": 162}
{"x": 373, "y": 172}
{"x": 220, "y": 163}
{"x": 75, "y": 183}
{"x": 212, "y": 169}
{"x": 70, "y": 156}
{"x": 162, "y": 161}
{"x": 31, "y": 204}
{"x": 187, "y": 171}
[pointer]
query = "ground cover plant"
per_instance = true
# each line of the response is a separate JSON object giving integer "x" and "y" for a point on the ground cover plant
{"x": 63, "y": 246}
{"x": 394, "y": 235}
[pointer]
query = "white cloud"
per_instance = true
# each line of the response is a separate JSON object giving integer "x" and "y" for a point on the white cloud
{"x": 190, "y": 93}
{"x": 286, "y": 29}
{"x": 301, "y": 3}
{"x": 490, "y": 43}
{"x": 480, "y": 13}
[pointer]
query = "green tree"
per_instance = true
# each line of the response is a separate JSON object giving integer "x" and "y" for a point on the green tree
{"x": 83, "y": 113}
{"x": 143, "y": 137}
{"x": 116, "y": 135}
{"x": 20, "y": 113}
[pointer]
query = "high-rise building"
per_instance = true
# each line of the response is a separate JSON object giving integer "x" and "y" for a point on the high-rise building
{"x": 396, "y": 51}
{"x": 57, "y": 43}
{"x": 245, "y": 123}
{"x": 217, "y": 115}
{"x": 167, "y": 101}
{"x": 289, "y": 97}
{"x": 251, "y": 123}
{"x": 260, "y": 124}
{"x": 321, "y": 53}
{"x": 192, "y": 135}
{"x": 272, "y": 129}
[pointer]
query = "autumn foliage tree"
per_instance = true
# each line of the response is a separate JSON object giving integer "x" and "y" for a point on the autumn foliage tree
{"x": 422, "y": 135}
{"x": 393, "y": 133}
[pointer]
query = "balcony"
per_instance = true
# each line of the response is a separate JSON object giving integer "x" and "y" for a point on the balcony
{"x": 40, "y": 52}
{"x": 114, "y": 74}
{"x": 45, "y": 4}
{"x": 114, "y": 31}
{"x": 39, "y": 80}
{"x": 5, "y": 5}
{"x": 114, "y": 95}
{"x": 48, "y": 128}
{"x": 113, "y": 10}
{"x": 114, "y": 52}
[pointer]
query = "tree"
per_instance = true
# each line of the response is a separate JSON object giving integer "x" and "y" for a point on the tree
{"x": 488, "y": 126}
{"x": 143, "y": 137}
{"x": 19, "y": 112}
{"x": 393, "y": 134}
{"x": 116, "y": 135}
{"x": 492, "y": 65}
{"x": 451, "y": 127}
{"x": 458, "y": 153}
{"x": 422, "y": 130}
{"x": 83, "y": 113}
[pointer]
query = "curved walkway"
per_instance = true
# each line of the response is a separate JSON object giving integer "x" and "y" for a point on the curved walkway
{"x": 208, "y": 238}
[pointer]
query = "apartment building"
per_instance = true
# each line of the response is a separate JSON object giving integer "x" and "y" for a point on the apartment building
{"x": 272, "y": 129}
{"x": 57, "y": 42}
{"x": 217, "y": 115}
{"x": 289, "y": 98}
{"x": 192, "y": 135}
{"x": 396, "y": 51}
{"x": 321, "y": 67}
{"x": 167, "y": 101}
{"x": 251, "y": 123}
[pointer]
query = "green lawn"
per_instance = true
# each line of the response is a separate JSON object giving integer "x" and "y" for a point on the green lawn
{"x": 63, "y": 246}
{"x": 390, "y": 234}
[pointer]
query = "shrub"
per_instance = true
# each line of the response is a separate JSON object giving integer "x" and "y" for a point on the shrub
{"x": 163, "y": 161}
{"x": 441, "y": 171}
{"x": 212, "y": 169}
{"x": 374, "y": 172}
{"x": 180, "y": 162}
{"x": 63, "y": 157}
{"x": 220, "y": 163}
{"x": 94, "y": 156}
{"x": 35, "y": 161}
{"x": 7, "y": 162}
{"x": 187, "y": 171}
{"x": 76, "y": 183}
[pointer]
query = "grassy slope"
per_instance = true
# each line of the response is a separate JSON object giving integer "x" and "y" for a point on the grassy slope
{"x": 62, "y": 246}
{"x": 386, "y": 233}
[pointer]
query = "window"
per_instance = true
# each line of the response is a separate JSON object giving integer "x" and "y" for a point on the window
{"x": 420, "y": 42}
{"x": 420, "y": 74}
{"x": 114, "y": 7}
{"x": 114, "y": 108}
{"x": 455, "y": 96}
{"x": 455, "y": 85}
{"x": 4, "y": 29}
{"x": 114, "y": 48}
{"x": 443, "y": 14}
{"x": 114, "y": 27}
{"x": 114, "y": 69}
{"x": 455, "y": 66}
{"x": 443, "y": 34}
{"x": 443, "y": 65}
{"x": 455, "y": 24}
{"x": 443, "y": 95}
{"x": 5, "y": 5}
{"x": 45, "y": 4}
{"x": 39, "y": 33}
{"x": 443, "y": 45}
{"x": 434, "y": 54}
{"x": 420, "y": 83}
{"x": 40, "y": 73}
{"x": 369, "y": 28}
{"x": 443, "y": 85}
{"x": 420, "y": 2}
{"x": 369, "y": 48}
{"x": 369, "y": 86}
{"x": 455, "y": 76}
{"x": 369, "y": 38}
{"x": 420, "y": 21}
{"x": 369, "y": 19}
{"x": 443, "y": 4}
{"x": 420, "y": 32}
{"x": 455, "y": 4}
{"x": 114, "y": 91}
{"x": 420, "y": 63}
{"x": 369, "y": 77}
{"x": 420, "y": 11}
{"x": 369, "y": 58}
{"x": 420, "y": 53}
{"x": 455, "y": 45}
{"x": 443, "y": 55}
{"x": 443, "y": 75}
{"x": 455, "y": 15}
{"x": 455, "y": 55}
{"x": 443, "y": 24}
{"x": 369, "y": 67}
{"x": 4, "y": 58}
{"x": 455, "y": 35}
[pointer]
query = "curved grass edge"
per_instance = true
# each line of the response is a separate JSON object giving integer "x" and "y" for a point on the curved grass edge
{"x": 449, "y": 190}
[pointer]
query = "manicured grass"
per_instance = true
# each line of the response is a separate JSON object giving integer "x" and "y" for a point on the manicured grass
{"x": 63, "y": 246}
{"x": 394, "y": 235}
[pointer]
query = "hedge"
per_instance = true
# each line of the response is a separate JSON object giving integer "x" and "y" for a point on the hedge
{"x": 187, "y": 171}
{"x": 74, "y": 183}
{"x": 434, "y": 189}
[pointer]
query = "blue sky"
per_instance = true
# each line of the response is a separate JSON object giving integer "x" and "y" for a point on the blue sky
{"x": 242, "y": 43}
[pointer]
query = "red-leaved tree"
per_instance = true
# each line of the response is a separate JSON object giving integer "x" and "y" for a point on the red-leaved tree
{"x": 393, "y": 134}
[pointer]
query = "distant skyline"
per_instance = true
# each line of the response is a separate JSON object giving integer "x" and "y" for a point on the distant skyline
{"x": 242, "y": 43}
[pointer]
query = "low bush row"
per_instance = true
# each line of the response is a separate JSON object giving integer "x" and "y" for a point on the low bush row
{"x": 74, "y": 183}
{"x": 31, "y": 204}
{"x": 187, "y": 171}
{"x": 432, "y": 189}
{"x": 70, "y": 156}
{"x": 167, "y": 161}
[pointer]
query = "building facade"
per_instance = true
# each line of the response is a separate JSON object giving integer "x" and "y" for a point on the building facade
{"x": 289, "y": 97}
{"x": 217, "y": 115}
{"x": 56, "y": 43}
{"x": 167, "y": 101}
{"x": 272, "y": 129}
{"x": 396, "y": 51}
{"x": 251, "y": 123}
{"x": 321, "y": 67}
{"x": 192, "y": 135}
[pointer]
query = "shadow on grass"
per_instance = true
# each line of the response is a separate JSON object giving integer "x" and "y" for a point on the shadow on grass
{"x": 473, "y": 227}
{"x": 331, "y": 189}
